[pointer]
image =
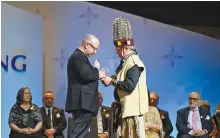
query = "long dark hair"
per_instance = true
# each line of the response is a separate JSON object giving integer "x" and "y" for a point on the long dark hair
{"x": 20, "y": 96}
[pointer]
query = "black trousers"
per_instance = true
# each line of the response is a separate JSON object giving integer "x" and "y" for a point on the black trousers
{"x": 81, "y": 122}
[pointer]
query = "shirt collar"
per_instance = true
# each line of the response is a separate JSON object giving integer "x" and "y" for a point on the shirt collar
{"x": 100, "y": 107}
{"x": 82, "y": 51}
{"x": 48, "y": 108}
{"x": 195, "y": 109}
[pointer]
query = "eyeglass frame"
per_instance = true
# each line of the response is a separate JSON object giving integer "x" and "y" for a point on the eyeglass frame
{"x": 93, "y": 47}
{"x": 193, "y": 99}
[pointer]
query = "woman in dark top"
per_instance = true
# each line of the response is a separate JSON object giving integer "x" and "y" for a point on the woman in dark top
{"x": 25, "y": 118}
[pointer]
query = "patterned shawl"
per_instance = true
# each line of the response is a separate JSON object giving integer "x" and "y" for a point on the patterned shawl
{"x": 30, "y": 119}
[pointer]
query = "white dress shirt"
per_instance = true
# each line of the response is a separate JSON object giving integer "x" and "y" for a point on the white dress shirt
{"x": 51, "y": 109}
{"x": 99, "y": 120}
{"x": 190, "y": 117}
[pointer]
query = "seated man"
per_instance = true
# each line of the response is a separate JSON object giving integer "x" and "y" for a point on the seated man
{"x": 213, "y": 134}
{"x": 164, "y": 115}
{"x": 103, "y": 117}
{"x": 194, "y": 121}
{"x": 54, "y": 121}
{"x": 102, "y": 121}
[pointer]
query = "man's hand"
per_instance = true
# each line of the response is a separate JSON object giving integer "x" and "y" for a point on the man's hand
{"x": 103, "y": 73}
{"x": 46, "y": 132}
{"x": 49, "y": 132}
{"x": 199, "y": 132}
{"x": 195, "y": 133}
{"x": 102, "y": 135}
{"x": 106, "y": 81}
{"x": 202, "y": 132}
{"x": 97, "y": 64}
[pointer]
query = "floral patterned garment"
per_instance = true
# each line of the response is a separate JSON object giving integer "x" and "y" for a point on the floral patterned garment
{"x": 25, "y": 119}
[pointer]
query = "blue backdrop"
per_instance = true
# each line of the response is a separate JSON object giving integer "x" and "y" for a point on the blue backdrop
{"x": 21, "y": 35}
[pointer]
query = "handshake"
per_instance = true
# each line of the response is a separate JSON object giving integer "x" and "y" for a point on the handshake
{"x": 103, "y": 74}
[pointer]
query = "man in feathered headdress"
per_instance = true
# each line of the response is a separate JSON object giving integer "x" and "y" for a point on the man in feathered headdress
{"x": 129, "y": 81}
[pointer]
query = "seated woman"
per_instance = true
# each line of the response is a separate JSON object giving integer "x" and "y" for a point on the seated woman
{"x": 153, "y": 123}
{"x": 25, "y": 118}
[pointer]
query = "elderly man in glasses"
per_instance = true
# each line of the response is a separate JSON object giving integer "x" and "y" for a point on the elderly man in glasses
{"x": 194, "y": 121}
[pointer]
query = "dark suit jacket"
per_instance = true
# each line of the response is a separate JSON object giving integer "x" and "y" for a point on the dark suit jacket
{"x": 59, "y": 123}
{"x": 82, "y": 92}
{"x": 182, "y": 120}
{"x": 167, "y": 125}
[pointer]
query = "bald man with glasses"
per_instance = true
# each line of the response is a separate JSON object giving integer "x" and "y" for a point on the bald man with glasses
{"x": 194, "y": 121}
{"x": 82, "y": 92}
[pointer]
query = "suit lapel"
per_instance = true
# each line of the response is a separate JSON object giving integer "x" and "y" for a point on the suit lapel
{"x": 82, "y": 54}
{"x": 200, "y": 111}
{"x": 54, "y": 115}
{"x": 162, "y": 117}
{"x": 186, "y": 114}
{"x": 201, "y": 114}
{"x": 44, "y": 111}
{"x": 44, "y": 115}
{"x": 87, "y": 60}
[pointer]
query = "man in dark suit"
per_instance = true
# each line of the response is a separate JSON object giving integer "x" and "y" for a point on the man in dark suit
{"x": 82, "y": 92}
{"x": 164, "y": 115}
{"x": 101, "y": 121}
{"x": 54, "y": 121}
{"x": 194, "y": 121}
{"x": 102, "y": 118}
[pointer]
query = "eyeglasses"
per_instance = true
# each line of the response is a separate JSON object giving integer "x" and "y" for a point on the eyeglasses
{"x": 193, "y": 99}
{"x": 94, "y": 48}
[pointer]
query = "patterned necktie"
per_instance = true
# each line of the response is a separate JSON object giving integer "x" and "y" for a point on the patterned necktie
{"x": 49, "y": 118}
{"x": 194, "y": 120}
